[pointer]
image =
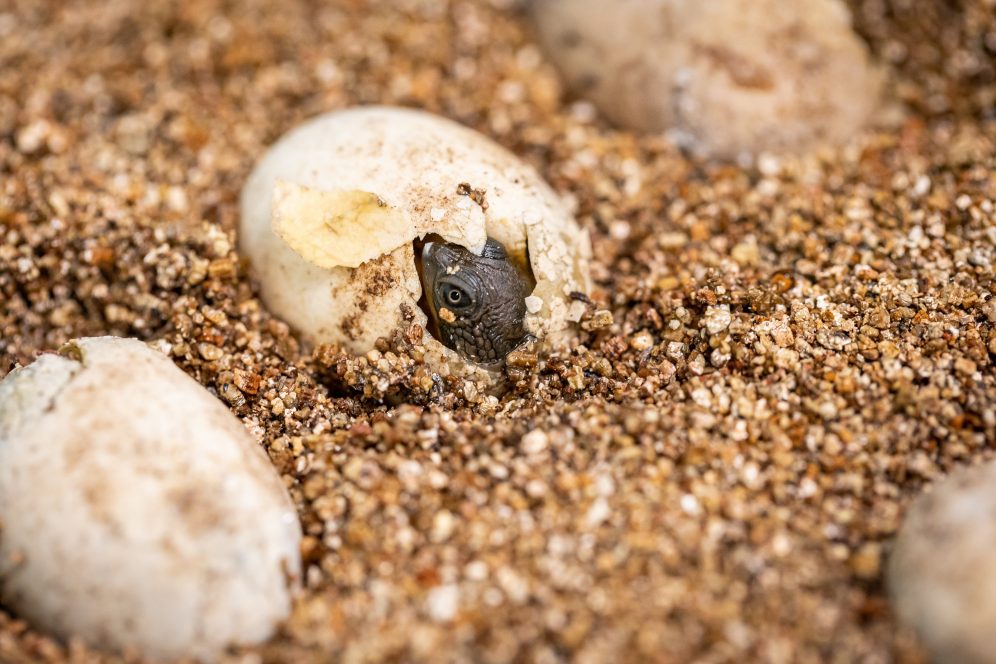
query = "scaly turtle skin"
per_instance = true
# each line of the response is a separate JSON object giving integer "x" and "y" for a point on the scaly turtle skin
{"x": 478, "y": 302}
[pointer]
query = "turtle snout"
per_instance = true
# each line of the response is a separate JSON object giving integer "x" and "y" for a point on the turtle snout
{"x": 429, "y": 251}
{"x": 438, "y": 258}
{"x": 431, "y": 260}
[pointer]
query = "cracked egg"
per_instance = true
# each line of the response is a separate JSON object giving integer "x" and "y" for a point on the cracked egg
{"x": 337, "y": 214}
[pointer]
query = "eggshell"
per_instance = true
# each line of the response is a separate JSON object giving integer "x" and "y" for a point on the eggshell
{"x": 136, "y": 510}
{"x": 337, "y": 228}
{"x": 726, "y": 78}
{"x": 358, "y": 186}
{"x": 942, "y": 572}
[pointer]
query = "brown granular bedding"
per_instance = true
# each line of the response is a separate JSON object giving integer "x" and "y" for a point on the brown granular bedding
{"x": 715, "y": 472}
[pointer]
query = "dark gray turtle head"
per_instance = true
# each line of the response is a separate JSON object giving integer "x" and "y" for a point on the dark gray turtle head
{"x": 478, "y": 302}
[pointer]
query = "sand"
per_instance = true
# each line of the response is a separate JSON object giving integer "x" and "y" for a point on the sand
{"x": 776, "y": 360}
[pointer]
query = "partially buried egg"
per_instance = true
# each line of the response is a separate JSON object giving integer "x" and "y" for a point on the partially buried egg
{"x": 137, "y": 512}
{"x": 361, "y": 222}
{"x": 726, "y": 78}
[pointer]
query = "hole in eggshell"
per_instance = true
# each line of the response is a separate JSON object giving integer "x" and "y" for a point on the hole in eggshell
{"x": 523, "y": 265}
{"x": 519, "y": 259}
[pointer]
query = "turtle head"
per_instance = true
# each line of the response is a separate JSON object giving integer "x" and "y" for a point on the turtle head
{"x": 478, "y": 302}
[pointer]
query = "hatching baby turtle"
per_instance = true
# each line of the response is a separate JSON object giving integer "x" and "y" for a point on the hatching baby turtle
{"x": 477, "y": 302}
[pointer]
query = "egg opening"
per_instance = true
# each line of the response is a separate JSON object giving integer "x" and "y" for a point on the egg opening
{"x": 475, "y": 303}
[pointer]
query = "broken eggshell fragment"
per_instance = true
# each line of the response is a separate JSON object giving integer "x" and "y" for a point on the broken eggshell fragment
{"x": 332, "y": 212}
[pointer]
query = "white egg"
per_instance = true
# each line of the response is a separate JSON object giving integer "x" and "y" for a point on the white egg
{"x": 942, "y": 572}
{"x": 724, "y": 77}
{"x": 331, "y": 213}
{"x": 135, "y": 510}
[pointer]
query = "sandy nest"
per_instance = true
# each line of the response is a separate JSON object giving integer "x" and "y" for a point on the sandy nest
{"x": 776, "y": 359}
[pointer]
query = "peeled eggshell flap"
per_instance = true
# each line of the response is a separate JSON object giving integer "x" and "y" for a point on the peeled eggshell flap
{"x": 338, "y": 228}
{"x": 330, "y": 213}
{"x": 136, "y": 510}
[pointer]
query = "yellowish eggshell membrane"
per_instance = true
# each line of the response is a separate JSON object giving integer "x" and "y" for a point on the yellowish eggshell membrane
{"x": 337, "y": 228}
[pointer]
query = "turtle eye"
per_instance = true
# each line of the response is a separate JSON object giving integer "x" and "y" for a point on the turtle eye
{"x": 455, "y": 296}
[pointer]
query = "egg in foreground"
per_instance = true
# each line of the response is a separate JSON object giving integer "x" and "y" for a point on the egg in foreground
{"x": 137, "y": 512}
